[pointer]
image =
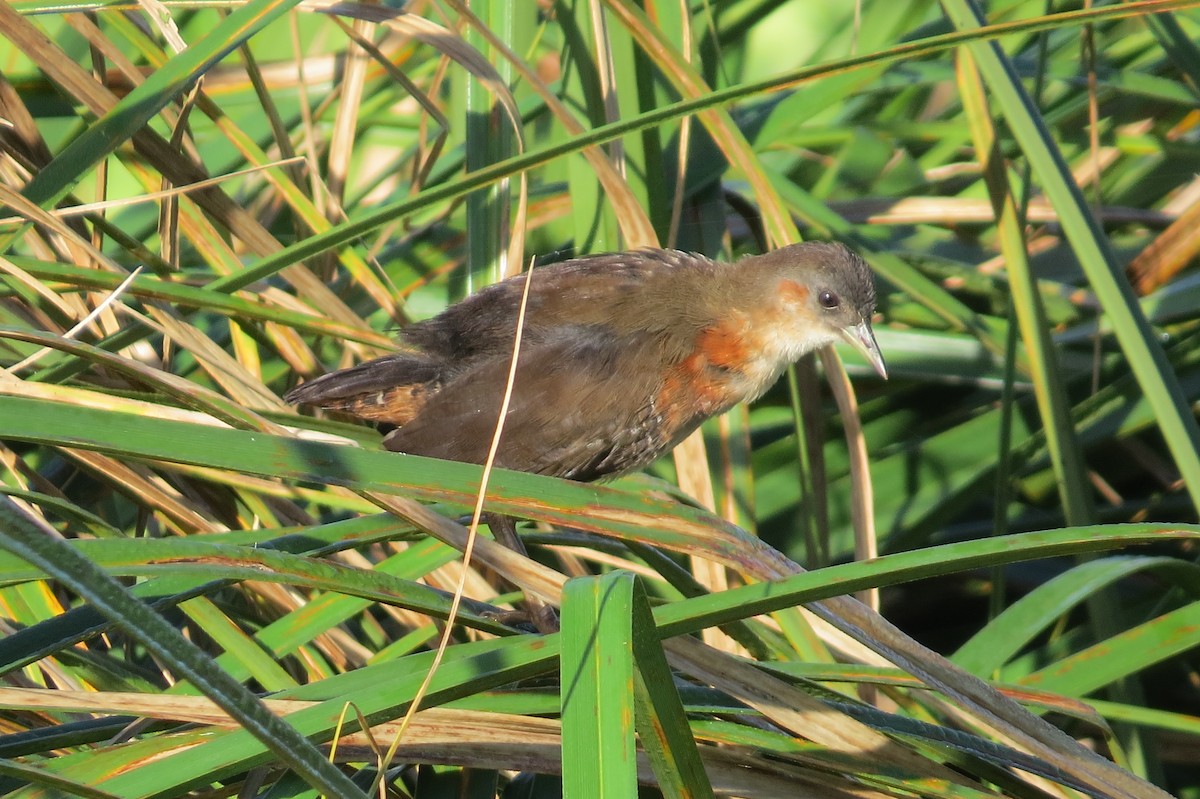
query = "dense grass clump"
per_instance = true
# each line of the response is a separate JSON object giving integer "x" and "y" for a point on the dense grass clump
{"x": 206, "y": 203}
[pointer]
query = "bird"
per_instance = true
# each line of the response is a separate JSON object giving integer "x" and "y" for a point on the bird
{"x": 623, "y": 355}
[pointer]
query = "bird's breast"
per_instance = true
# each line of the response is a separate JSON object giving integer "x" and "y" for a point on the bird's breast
{"x": 727, "y": 364}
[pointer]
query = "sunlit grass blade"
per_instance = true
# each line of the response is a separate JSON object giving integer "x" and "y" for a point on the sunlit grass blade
{"x": 1020, "y": 623}
{"x": 1053, "y": 405}
{"x": 28, "y": 541}
{"x": 134, "y": 111}
{"x": 663, "y": 727}
{"x": 599, "y": 755}
{"x": 1092, "y": 247}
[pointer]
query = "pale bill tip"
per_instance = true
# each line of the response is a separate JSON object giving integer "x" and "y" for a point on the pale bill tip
{"x": 862, "y": 338}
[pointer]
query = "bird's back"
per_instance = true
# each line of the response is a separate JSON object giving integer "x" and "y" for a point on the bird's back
{"x": 586, "y": 398}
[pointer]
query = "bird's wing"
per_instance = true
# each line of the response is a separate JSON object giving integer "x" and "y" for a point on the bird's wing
{"x": 391, "y": 389}
{"x": 581, "y": 292}
{"x": 583, "y": 407}
{"x": 398, "y": 369}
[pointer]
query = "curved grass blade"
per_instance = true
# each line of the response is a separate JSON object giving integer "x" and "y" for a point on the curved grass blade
{"x": 132, "y": 113}
{"x": 1020, "y": 623}
{"x": 25, "y": 538}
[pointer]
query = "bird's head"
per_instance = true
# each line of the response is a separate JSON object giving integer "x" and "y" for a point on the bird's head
{"x": 820, "y": 292}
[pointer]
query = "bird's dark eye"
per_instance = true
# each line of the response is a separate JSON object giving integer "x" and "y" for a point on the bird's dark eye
{"x": 828, "y": 299}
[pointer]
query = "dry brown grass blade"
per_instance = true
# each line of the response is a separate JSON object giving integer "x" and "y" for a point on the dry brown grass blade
{"x": 950, "y": 211}
{"x": 243, "y": 386}
{"x": 345, "y": 120}
{"x": 1168, "y": 253}
{"x": 19, "y": 132}
{"x": 529, "y": 575}
{"x": 605, "y": 73}
{"x": 793, "y": 709}
{"x": 168, "y": 162}
{"x": 100, "y": 206}
{"x": 685, "y": 134}
{"x": 65, "y": 242}
{"x": 428, "y": 725}
{"x": 386, "y": 296}
{"x": 150, "y": 490}
{"x": 717, "y": 122}
{"x": 168, "y": 226}
{"x": 69, "y": 307}
{"x": 79, "y": 326}
{"x": 24, "y": 475}
{"x": 262, "y": 91}
{"x": 80, "y": 249}
{"x": 998, "y": 712}
{"x": 430, "y": 33}
{"x": 457, "y": 49}
{"x": 862, "y": 505}
{"x": 473, "y": 739}
{"x": 84, "y": 252}
{"x": 217, "y": 406}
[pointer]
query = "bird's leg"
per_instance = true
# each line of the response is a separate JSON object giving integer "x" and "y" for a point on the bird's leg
{"x": 504, "y": 528}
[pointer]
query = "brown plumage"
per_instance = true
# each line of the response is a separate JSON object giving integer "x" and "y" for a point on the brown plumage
{"x": 623, "y": 356}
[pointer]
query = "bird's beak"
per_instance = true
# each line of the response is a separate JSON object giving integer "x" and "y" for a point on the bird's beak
{"x": 862, "y": 338}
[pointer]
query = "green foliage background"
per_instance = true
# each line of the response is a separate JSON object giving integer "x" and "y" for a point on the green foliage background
{"x": 297, "y": 181}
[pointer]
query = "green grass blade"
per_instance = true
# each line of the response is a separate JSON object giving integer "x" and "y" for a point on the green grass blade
{"x": 1121, "y": 655}
{"x": 1020, "y": 623}
{"x": 599, "y": 755}
{"x": 1053, "y": 404}
{"x": 661, "y": 722}
{"x": 141, "y": 104}
{"x": 24, "y": 538}
{"x": 1091, "y": 246}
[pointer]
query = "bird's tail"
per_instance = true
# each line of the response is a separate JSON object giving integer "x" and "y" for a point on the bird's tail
{"x": 391, "y": 389}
